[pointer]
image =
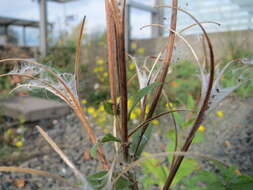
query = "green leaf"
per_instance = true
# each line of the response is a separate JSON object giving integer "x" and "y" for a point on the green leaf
{"x": 143, "y": 143}
{"x": 106, "y": 138}
{"x": 93, "y": 150}
{"x": 171, "y": 145}
{"x": 108, "y": 107}
{"x": 98, "y": 180}
{"x": 141, "y": 93}
{"x": 179, "y": 119}
{"x": 199, "y": 137}
{"x": 190, "y": 102}
{"x": 109, "y": 138}
{"x": 187, "y": 167}
{"x": 123, "y": 184}
{"x": 157, "y": 171}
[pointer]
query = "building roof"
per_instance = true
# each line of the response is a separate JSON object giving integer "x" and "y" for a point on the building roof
{"x": 61, "y": 1}
{"x": 18, "y": 22}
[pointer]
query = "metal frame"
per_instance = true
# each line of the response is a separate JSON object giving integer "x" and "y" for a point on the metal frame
{"x": 43, "y": 24}
{"x": 6, "y": 22}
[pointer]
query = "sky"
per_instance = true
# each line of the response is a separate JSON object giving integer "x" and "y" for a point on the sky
{"x": 57, "y": 12}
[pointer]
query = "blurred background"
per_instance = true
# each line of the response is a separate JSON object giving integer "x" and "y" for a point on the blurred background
{"x": 45, "y": 23}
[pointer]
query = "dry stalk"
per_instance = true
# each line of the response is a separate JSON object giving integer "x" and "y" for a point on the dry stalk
{"x": 167, "y": 61}
{"x": 116, "y": 19}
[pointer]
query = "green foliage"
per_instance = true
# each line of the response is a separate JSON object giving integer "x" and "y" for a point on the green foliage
{"x": 143, "y": 143}
{"x": 106, "y": 138}
{"x": 98, "y": 180}
{"x": 109, "y": 138}
{"x": 228, "y": 178}
{"x": 123, "y": 184}
{"x": 183, "y": 82}
{"x": 108, "y": 107}
{"x": 141, "y": 93}
{"x": 157, "y": 173}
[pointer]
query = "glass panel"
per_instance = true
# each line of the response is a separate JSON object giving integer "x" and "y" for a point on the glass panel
{"x": 229, "y": 13}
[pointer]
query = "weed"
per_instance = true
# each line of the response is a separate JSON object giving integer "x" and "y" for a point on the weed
{"x": 130, "y": 138}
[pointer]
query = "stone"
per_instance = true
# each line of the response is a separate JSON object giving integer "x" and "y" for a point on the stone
{"x": 32, "y": 108}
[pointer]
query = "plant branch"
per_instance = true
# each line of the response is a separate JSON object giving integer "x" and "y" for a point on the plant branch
{"x": 166, "y": 64}
{"x": 201, "y": 114}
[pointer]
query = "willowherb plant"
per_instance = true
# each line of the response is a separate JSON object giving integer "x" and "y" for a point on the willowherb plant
{"x": 129, "y": 144}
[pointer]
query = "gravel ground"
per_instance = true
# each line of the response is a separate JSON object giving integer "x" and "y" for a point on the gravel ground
{"x": 229, "y": 139}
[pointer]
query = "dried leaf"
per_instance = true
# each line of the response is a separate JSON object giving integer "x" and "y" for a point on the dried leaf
{"x": 20, "y": 183}
{"x": 86, "y": 156}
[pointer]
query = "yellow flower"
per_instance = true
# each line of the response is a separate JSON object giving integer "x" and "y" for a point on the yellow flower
{"x": 105, "y": 74}
{"x": 9, "y": 131}
{"x": 129, "y": 103}
{"x": 170, "y": 106}
{"x": 133, "y": 46}
{"x": 19, "y": 144}
{"x": 101, "y": 108}
{"x": 220, "y": 114}
{"x": 133, "y": 115}
{"x": 100, "y": 69}
{"x": 137, "y": 111}
{"x": 84, "y": 101}
{"x": 141, "y": 51}
{"x": 147, "y": 109}
{"x": 201, "y": 129}
{"x": 155, "y": 122}
{"x": 174, "y": 84}
{"x": 91, "y": 110}
{"x": 100, "y": 62}
{"x": 95, "y": 70}
{"x": 132, "y": 66}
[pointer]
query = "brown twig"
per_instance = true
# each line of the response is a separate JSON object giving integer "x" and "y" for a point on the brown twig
{"x": 167, "y": 61}
{"x": 151, "y": 119}
{"x": 118, "y": 18}
{"x": 78, "y": 52}
{"x": 201, "y": 114}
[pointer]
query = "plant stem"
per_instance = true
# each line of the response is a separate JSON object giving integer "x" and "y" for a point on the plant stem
{"x": 201, "y": 114}
{"x": 92, "y": 137}
{"x": 167, "y": 61}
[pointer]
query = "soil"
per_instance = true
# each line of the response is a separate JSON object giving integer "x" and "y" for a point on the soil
{"x": 229, "y": 139}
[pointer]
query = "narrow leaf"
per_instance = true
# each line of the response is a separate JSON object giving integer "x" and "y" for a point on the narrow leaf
{"x": 98, "y": 180}
{"x": 108, "y": 107}
{"x": 93, "y": 151}
{"x": 78, "y": 51}
{"x": 63, "y": 156}
{"x": 141, "y": 93}
{"x": 109, "y": 138}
